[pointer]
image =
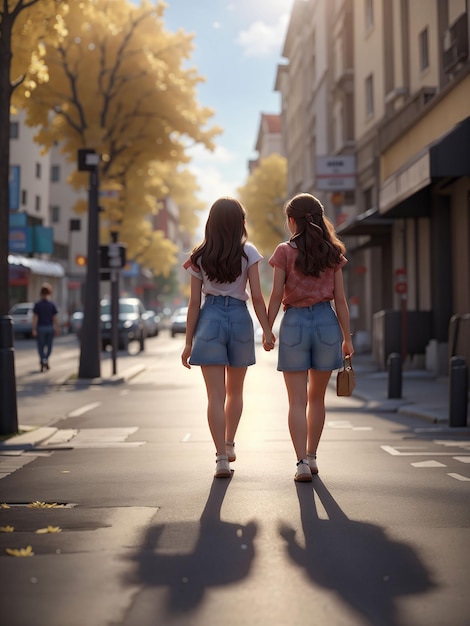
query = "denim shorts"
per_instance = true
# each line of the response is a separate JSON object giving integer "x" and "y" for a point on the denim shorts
{"x": 310, "y": 338}
{"x": 224, "y": 333}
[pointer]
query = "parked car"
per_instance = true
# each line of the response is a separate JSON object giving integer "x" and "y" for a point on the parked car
{"x": 22, "y": 316}
{"x": 131, "y": 323}
{"x": 178, "y": 321}
{"x": 76, "y": 321}
{"x": 152, "y": 323}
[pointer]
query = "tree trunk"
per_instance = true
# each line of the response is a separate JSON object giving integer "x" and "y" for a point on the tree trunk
{"x": 5, "y": 100}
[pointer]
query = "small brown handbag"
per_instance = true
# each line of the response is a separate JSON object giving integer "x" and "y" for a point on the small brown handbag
{"x": 346, "y": 380}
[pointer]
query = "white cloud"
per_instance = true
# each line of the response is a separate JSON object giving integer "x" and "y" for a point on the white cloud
{"x": 262, "y": 39}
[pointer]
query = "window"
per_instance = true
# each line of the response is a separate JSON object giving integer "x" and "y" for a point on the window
{"x": 55, "y": 173}
{"x": 55, "y": 214}
{"x": 24, "y": 197}
{"x": 369, "y": 96}
{"x": 38, "y": 170}
{"x": 75, "y": 225}
{"x": 37, "y": 203}
{"x": 423, "y": 50}
{"x": 14, "y": 130}
{"x": 369, "y": 8}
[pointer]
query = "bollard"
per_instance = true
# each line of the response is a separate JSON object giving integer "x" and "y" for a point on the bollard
{"x": 394, "y": 375}
{"x": 458, "y": 392}
{"x": 8, "y": 405}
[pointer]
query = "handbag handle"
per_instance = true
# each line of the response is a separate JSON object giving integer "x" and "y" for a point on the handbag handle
{"x": 347, "y": 362}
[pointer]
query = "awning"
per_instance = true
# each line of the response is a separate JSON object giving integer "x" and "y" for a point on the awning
{"x": 368, "y": 223}
{"x": 37, "y": 266}
{"x": 447, "y": 157}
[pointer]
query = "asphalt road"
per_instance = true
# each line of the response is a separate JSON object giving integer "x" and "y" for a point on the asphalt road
{"x": 147, "y": 537}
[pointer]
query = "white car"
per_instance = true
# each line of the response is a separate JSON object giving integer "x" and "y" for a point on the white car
{"x": 22, "y": 316}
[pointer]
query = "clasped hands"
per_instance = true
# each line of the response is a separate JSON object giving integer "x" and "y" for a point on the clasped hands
{"x": 269, "y": 345}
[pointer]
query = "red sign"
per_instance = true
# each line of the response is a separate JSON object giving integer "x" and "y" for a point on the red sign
{"x": 401, "y": 281}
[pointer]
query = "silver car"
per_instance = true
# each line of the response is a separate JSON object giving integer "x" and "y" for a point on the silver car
{"x": 22, "y": 316}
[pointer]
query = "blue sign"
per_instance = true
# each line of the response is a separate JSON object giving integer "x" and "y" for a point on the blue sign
{"x": 20, "y": 240}
{"x": 14, "y": 188}
{"x": 43, "y": 237}
{"x": 18, "y": 220}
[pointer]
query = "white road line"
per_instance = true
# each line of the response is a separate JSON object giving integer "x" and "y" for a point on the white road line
{"x": 458, "y": 477}
{"x": 462, "y": 459}
{"x": 395, "y": 452}
{"x": 428, "y": 464}
{"x": 84, "y": 409}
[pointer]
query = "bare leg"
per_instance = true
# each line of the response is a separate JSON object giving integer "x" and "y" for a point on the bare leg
{"x": 234, "y": 402}
{"x": 317, "y": 383}
{"x": 296, "y": 385}
{"x": 214, "y": 377}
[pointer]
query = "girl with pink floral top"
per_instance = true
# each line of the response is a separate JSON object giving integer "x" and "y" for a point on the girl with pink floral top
{"x": 313, "y": 337}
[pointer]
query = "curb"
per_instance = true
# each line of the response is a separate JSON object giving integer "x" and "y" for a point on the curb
{"x": 115, "y": 379}
{"x": 28, "y": 440}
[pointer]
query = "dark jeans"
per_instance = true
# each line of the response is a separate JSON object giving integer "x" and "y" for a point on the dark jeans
{"x": 45, "y": 338}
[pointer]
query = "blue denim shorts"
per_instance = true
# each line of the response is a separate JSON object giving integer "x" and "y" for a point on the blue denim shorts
{"x": 224, "y": 333}
{"x": 310, "y": 338}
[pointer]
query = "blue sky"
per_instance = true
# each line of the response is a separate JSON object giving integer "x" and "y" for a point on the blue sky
{"x": 237, "y": 47}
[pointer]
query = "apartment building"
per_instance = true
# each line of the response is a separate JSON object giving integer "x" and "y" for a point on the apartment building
{"x": 48, "y": 240}
{"x": 31, "y": 258}
{"x": 397, "y": 84}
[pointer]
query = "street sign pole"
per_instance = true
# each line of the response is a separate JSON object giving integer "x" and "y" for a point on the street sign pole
{"x": 90, "y": 345}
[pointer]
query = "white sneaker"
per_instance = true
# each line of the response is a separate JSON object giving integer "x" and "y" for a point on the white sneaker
{"x": 222, "y": 467}
{"x": 230, "y": 451}
{"x": 303, "y": 473}
{"x": 312, "y": 463}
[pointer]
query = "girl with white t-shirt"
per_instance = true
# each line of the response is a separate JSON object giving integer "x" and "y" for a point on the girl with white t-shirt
{"x": 219, "y": 335}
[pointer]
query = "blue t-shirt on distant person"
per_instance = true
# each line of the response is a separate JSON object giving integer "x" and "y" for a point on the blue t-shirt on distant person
{"x": 45, "y": 310}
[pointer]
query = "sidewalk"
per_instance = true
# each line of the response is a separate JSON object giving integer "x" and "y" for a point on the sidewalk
{"x": 423, "y": 396}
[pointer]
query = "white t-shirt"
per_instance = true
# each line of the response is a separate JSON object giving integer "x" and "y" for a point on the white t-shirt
{"x": 237, "y": 289}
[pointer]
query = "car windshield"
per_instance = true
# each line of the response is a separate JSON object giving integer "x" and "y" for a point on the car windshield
{"x": 21, "y": 310}
{"x": 124, "y": 307}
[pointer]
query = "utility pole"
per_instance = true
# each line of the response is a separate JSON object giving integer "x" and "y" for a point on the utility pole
{"x": 90, "y": 345}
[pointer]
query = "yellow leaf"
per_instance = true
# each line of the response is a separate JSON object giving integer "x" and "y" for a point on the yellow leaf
{"x": 49, "y": 529}
{"x": 28, "y": 551}
{"x": 44, "y": 505}
{"x": 6, "y": 529}
{"x": 4, "y": 505}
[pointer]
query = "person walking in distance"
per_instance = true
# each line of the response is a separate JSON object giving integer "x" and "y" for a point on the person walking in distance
{"x": 45, "y": 325}
{"x": 313, "y": 336}
{"x": 220, "y": 335}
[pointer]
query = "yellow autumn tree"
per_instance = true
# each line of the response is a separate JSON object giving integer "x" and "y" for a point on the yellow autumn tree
{"x": 119, "y": 83}
{"x": 263, "y": 197}
{"x": 25, "y": 25}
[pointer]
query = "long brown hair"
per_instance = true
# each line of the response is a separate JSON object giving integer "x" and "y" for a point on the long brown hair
{"x": 315, "y": 237}
{"x": 222, "y": 250}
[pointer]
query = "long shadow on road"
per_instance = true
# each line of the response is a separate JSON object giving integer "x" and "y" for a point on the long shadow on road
{"x": 357, "y": 560}
{"x": 187, "y": 558}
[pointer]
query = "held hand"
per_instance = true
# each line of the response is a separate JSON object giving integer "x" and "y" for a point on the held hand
{"x": 185, "y": 356}
{"x": 269, "y": 341}
{"x": 348, "y": 348}
{"x": 34, "y": 332}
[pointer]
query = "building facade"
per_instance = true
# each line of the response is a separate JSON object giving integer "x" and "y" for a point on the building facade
{"x": 398, "y": 91}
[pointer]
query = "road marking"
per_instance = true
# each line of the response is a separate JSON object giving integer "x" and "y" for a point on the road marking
{"x": 428, "y": 464}
{"x": 458, "y": 477}
{"x": 396, "y": 452}
{"x": 346, "y": 424}
{"x": 84, "y": 409}
{"x": 462, "y": 459}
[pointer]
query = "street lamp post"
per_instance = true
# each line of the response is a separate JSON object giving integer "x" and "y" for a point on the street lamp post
{"x": 90, "y": 345}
